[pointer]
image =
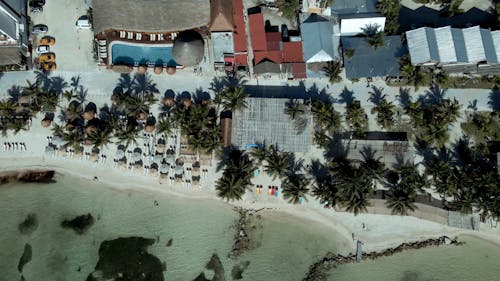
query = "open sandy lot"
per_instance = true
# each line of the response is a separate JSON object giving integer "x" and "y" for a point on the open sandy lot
{"x": 73, "y": 48}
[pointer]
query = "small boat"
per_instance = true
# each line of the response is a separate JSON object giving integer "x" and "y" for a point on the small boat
{"x": 276, "y": 192}
{"x": 272, "y": 190}
{"x": 269, "y": 190}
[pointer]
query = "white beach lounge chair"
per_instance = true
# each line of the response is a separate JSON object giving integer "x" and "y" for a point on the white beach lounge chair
{"x": 160, "y": 37}
{"x": 130, "y": 35}
{"x": 122, "y": 34}
{"x": 152, "y": 37}
{"x": 138, "y": 36}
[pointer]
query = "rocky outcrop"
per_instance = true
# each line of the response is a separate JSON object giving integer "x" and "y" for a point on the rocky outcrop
{"x": 26, "y": 176}
{"x": 79, "y": 224}
{"x": 318, "y": 270}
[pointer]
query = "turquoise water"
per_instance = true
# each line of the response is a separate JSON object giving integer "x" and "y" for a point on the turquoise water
{"x": 282, "y": 247}
{"x": 135, "y": 54}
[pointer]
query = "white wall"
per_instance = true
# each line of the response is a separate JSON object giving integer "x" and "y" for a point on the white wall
{"x": 351, "y": 27}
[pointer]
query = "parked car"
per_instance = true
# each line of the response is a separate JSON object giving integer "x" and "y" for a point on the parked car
{"x": 48, "y": 66}
{"x": 83, "y": 22}
{"x": 37, "y": 3}
{"x": 40, "y": 28}
{"x": 47, "y": 40}
{"x": 42, "y": 49}
{"x": 36, "y": 10}
{"x": 47, "y": 57}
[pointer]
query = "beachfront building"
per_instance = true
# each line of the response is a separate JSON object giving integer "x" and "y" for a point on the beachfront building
{"x": 239, "y": 37}
{"x": 221, "y": 34}
{"x": 151, "y": 33}
{"x": 13, "y": 32}
{"x": 264, "y": 121}
{"x": 362, "y": 60}
{"x": 320, "y": 43}
{"x": 355, "y": 15}
{"x": 389, "y": 147}
{"x": 468, "y": 50}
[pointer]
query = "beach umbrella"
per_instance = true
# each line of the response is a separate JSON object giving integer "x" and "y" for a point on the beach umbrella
{"x": 120, "y": 68}
{"x": 179, "y": 170}
{"x": 119, "y": 154}
{"x": 136, "y": 157}
{"x": 158, "y": 69}
{"x": 164, "y": 168}
{"x": 142, "y": 69}
{"x": 170, "y": 158}
{"x": 149, "y": 128}
{"x": 195, "y": 172}
{"x": 171, "y": 70}
{"x": 157, "y": 158}
{"x": 160, "y": 149}
{"x": 46, "y": 122}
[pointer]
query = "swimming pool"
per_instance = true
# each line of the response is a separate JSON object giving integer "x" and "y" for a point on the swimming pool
{"x": 134, "y": 54}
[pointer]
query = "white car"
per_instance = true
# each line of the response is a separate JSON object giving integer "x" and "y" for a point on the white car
{"x": 42, "y": 49}
{"x": 83, "y": 22}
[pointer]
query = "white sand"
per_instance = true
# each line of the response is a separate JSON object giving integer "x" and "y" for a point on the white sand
{"x": 382, "y": 230}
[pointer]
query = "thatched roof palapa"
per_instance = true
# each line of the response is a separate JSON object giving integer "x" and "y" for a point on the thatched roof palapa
{"x": 221, "y": 15}
{"x": 150, "y": 15}
{"x": 188, "y": 48}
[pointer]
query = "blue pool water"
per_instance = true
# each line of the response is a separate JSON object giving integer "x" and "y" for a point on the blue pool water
{"x": 135, "y": 54}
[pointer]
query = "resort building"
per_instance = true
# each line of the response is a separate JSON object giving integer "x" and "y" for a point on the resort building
{"x": 389, "y": 147}
{"x": 221, "y": 34}
{"x": 13, "y": 32}
{"x": 468, "y": 50}
{"x": 362, "y": 60}
{"x": 264, "y": 121}
{"x": 355, "y": 15}
{"x": 239, "y": 36}
{"x": 152, "y": 33}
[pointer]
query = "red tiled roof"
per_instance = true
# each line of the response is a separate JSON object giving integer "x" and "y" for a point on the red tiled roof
{"x": 292, "y": 52}
{"x": 274, "y": 56}
{"x": 273, "y": 40}
{"x": 239, "y": 34}
{"x": 240, "y": 59}
{"x": 257, "y": 32}
{"x": 299, "y": 70}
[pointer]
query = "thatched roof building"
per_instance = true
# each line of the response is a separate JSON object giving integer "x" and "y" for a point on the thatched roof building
{"x": 188, "y": 48}
{"x": 221, "y": 15}
{"x": 150, "y": 15}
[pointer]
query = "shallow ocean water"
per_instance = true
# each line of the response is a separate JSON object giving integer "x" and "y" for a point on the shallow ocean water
{"x": 283, "y": 247}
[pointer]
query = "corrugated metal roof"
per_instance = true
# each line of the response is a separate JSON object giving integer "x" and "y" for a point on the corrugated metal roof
{"x": 445, "y": 48}
{"x": 273, "y": 41}
{"x": 452, "y": 45}
{"x": 239, "y": 34}
{"x": 292, "y": 52}
{"x": 473, "y": 44}
{"x": 8, "y": 24}
{"x": 317, "y": 42}
{"x": 257, "y": 32}
{"x": 418, "y": 45}
{"x": 370, "y": 62}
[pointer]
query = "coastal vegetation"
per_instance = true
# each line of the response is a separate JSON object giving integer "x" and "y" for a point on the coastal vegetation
{"x": 390, "y": 9}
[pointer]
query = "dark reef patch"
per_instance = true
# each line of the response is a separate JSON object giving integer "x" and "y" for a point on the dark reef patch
{"x": 79, "y": 224}
{"x": 127, "y": 259}
{"x": 29, "y": 225}
{"x": 25, "y": 258}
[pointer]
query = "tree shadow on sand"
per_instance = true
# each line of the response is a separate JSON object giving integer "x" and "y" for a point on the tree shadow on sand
{"x": 404, "y": 96}
{"x": 346, "y": 96}
{"x": 494, "y": 100}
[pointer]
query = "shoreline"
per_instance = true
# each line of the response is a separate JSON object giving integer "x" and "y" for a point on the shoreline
{"x": 342, "y": 225}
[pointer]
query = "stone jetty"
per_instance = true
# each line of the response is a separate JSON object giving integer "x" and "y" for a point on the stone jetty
{"x": 318, "y": 270}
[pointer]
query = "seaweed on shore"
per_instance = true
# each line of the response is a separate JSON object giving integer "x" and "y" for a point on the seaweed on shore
{"x": 29, "y": 225}
{"x": 79, "y": 224}
{"x": 216, "y": 266}
{"x": 238, "y": 269}
{"x": 25, "y": 258}
{"x": 245, "y": 225}
{"x": 127, "y": 259}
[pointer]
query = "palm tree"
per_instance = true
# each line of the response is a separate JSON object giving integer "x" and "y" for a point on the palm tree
{"x": 325, "y": 117}
{"x": 234, "y": 98}
{"x": 277, "y": 163}
{"x": 57, "y": 130}
{"x": 259, "y": 154}
{"x": 73, "y": 139}
{"x": 100, "y": 137}
{"x": 294, "y": 108}
{"x": 195, "y": 142}
{"x": 385, "y": 113}
{"x": 404, "y": 182}
{"x": 212, "y": 140}
{"x": 355, "y": 186}
{"x": 356, "y": 117}
{"x": 230, "y": 187}
{"x": 414, "y": 75}
{"x": 143, "y": 85}
{"x": 165, "y": 126}
{"x": 374, "y": 36}
{"x": 332, "y": 71}
{"x": 6, "y": 108}
{"x": 126, "y": 136}
{"x": 295, "y": 187}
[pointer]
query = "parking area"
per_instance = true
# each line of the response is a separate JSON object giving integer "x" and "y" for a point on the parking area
{"x": 73, "y": 47}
